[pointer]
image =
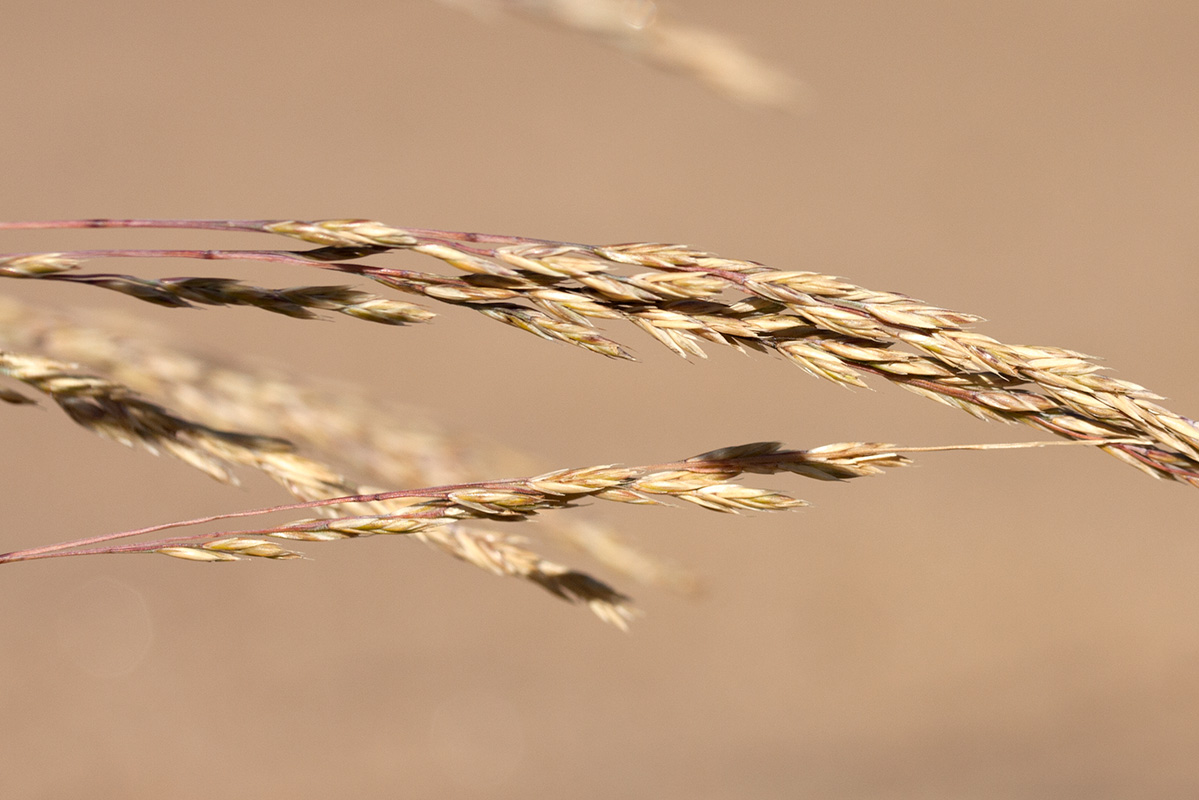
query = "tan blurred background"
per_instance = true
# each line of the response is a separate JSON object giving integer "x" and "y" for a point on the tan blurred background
{"x": 981, "y": 625}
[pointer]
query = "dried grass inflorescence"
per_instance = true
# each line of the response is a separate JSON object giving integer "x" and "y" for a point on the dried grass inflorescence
{"x": 340, "y": 430}
{"x": 704, "y": 480}
{"x": 683, "y": 298}
{"x": 112, "y": 410}
{"x": 833, "y": 329}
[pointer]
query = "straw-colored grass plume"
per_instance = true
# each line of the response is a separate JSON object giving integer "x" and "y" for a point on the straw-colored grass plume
{"x": 216, "y": 417}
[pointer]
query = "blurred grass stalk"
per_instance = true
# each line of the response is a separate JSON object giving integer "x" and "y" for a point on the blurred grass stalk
{"x": 640, "y": 27}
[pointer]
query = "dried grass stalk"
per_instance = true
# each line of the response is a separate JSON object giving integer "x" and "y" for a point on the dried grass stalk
{"x": 682, "y": 297}
{"x": 705, "y": 480}
{"x": 116, "y": 412}
{"x": 380, "y": 445}
{"x": 297, "y": 301}
{"x": 833, "y": 329}
{"x": 432, "y": 514}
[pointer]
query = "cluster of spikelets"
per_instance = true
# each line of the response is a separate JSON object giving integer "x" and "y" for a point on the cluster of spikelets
{"x": 432, "y": 514}
{"x": 833, "y": 329}
{"x": 683, "y": 298}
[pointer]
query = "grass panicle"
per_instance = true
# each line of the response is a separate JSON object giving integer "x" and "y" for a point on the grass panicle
{"x": 116, "y": 412}
{"x": 831, "y": 328}
{"x": 683, "y": 298}
{"x": 340, "y": 430}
